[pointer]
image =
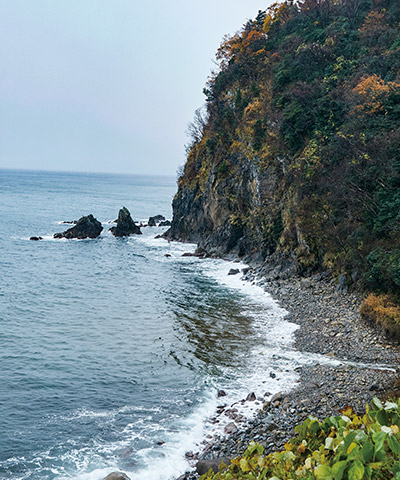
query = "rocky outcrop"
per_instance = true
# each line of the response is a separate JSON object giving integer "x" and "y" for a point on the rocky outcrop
{"x": 125, "y": 225}
{"x": 154, "y": 221}
{"x": 86, "y": 227}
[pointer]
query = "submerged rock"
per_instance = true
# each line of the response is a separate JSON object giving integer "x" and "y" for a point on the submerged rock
{"x": 86, "y": 227}
{"x": 117, "y": 476}
{"x": 125, "y": 225}
{"x": 154, "y": 221}
{"x": 36, "y": 238}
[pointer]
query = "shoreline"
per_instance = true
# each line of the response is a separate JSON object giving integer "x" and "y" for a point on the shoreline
{"x": 361, "y": 362}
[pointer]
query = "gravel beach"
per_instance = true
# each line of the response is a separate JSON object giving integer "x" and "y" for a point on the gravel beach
{"x": 361, "y": 362}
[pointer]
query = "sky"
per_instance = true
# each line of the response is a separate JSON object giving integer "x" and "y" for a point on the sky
{"x": 107, "y": 85}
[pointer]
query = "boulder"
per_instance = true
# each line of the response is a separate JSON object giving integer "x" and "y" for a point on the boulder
{"x": 86, "y": 227}
{"x": 203, "y": 466}
{"x": 125, "y": 225}
{"x": 233, "y": 271}
{"x": 154, "y": 221}
{"x": 36, "y": 238}
{"x": 166, "y": 223}
{"x": 117, "y": 476}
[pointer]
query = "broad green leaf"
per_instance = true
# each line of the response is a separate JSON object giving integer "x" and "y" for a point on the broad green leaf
{"x": 376, "y": 403}
{"x": 379, "y": 440}
{"x": 323, "y": 472}
{"x": 394, "y": 444}
{"x": 390, "y": 406}
{"x": 244, "y": 465}
{"x": 382, "y": 417}
{"x": 329, "y": 443}
{"x": 367, "y": 451}
{"x": 356, "y": 470}
{"x": 338, "y": 469}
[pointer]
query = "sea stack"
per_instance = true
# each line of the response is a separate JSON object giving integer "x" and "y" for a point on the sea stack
{"x": 86, "y": 227}
{"x": 125, "y": 225}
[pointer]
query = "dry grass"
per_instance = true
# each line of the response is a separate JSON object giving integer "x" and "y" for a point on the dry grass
{"x": 382, "y": 311}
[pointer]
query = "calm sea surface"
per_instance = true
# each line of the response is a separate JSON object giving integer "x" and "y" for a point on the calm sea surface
{"x": 111, "y": 353}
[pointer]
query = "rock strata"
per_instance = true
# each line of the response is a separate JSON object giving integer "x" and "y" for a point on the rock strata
{"x": 125, "y": 225}
{"x": 86, "y": 227}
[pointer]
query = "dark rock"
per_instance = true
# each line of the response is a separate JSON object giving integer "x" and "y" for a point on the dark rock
{"x": 167, "y": 255}
{"x": 86, "y": 227}
{"x": 233, "y": 271}
{"x": 154, "y": 221}
{"x": 277, "y": 397}
{"x": 251, "y": 397}
{"x": 166, "y": 223}
{"x": 116, "y": 476}
{"x": 203, "y": 466}
{"x": 342, "y": 284}
{"x": 272, "y": 374}
{"x": 189, "y": 254}
{"x": 125, "y": 225}
{"x": 245, "y": 270}
{"x": 221, "y": 393}
{"x": 36, "y": 238}
{"x": 72, "y": 222}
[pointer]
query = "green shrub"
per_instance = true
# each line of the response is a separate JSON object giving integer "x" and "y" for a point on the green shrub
{"x": 345, "y": 447}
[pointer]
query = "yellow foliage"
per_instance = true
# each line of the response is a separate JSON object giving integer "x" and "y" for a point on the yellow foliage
{"x": 380, "y": 309}
{"x": 373, "y": 91}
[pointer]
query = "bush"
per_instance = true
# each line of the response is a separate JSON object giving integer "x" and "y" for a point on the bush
{"x": 382, "y": 310}
{"x": 348, "y": 447}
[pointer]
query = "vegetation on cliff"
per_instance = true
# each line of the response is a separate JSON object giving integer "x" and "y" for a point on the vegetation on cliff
{"x": 298, "y": 148}
{"x": 348, "y": 446}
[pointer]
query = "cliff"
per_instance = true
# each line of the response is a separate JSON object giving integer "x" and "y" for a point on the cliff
{"x": 297, "y": 152}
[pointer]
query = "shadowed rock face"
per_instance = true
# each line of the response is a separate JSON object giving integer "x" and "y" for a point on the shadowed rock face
{"x": 86, "y": 227}
{"x": 125, "y": 225}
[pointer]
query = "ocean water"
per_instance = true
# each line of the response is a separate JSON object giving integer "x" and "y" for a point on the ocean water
{"x": 111, "y": 353}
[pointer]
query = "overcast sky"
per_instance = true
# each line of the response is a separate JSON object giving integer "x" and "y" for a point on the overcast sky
{"x": 106, "y": 85}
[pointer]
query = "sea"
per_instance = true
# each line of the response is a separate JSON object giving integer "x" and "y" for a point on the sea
{"x": 113, "y": 350}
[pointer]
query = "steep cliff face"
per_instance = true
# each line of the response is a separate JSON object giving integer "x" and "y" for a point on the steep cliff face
{"x": 298, "y": 151}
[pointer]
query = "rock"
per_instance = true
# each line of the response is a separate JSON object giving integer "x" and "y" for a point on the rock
{"x": 189, "y": 254}
{"x": 342, "y": 284}
{"x": 125, "y": 225}
{"x": 272, "y": 374}
{"x": 277, "y": 397}
{"x": 230, "y": 428}
{"x": 117, "y": 476}
{"x": 251, "y": 397}
{"x": 166, "y": 223}
{"x": 221, "y": 393}
{"x": 233, "y": 271}
{"x": 305, "y": 283}
{"x": 36, "y": 238}
{"x": 86, "y": 227}
{"x": 153, "y": 221}
{"x": 72, "y": 222}
{"x": 167, "y": 255}
{"x": 203, "y": 466}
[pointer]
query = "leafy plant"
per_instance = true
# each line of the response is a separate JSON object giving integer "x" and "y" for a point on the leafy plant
{"x": 344, "y": 447}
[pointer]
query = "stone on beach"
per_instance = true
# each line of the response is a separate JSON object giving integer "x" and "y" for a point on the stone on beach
{"x": 203, "y": 466}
